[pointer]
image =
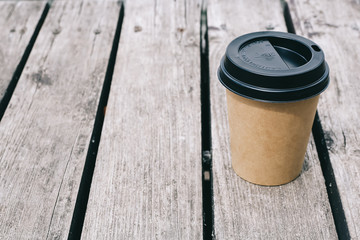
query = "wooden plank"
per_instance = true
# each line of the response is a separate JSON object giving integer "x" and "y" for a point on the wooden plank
{"x": 335, "y": 26}
{"x": 46, "y": 129}
{"x": 298, "y": 210}
{"x": 147, "y": 179}
{"x": 18, "y": 21}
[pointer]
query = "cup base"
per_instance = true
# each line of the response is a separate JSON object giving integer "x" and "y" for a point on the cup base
{"x": 268, "y": 183}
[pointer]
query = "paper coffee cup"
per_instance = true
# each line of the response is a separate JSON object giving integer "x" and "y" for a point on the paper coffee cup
{"x": 273, "y": 83}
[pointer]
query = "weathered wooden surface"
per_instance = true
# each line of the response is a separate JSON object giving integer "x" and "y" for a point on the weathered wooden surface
{"x": 335, "y": 26}
{"x": 46, "y": 129}
{"x": 298, "y": 210}
{"x": 147, "y": 179}
{"x": 17, "y": 24}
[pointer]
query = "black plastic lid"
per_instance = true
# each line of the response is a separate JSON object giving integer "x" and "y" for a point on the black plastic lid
{"x": 274, "y": 67}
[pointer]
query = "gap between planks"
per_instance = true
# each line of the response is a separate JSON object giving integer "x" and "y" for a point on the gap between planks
{"x": 87, "y": 175}
{"x": 5, "y": 95}
{"x": 323, "y": 154}
{"x": 334, "y": 25}
{"x": 207, "y": 182}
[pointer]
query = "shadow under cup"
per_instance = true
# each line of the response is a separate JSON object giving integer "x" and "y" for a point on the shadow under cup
{"x": 273, "y": 82}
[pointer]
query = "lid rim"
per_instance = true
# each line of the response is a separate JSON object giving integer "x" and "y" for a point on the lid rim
{"x": 271, "y": 94}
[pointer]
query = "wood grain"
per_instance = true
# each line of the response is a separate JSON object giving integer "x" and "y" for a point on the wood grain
{"x": 298, "y": 210}
{"x": 18, "y": 21}
{"x": 335, "y": 26}
{"x": 46, "y": 129}
{"x": 147, "y": 179}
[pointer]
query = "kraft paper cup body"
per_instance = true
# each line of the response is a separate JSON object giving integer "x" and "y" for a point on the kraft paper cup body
{"x": 273, "y": 83}
{"x": 268, "y": 140}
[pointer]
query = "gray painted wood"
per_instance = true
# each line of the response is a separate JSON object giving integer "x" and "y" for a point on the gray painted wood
{"x": 18, "y": 21}
{"x": 147, "y": 179}
{"x": 298, "y": 210}
{"x": 335, "y": 26}
{"x": 46, "y": 129}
